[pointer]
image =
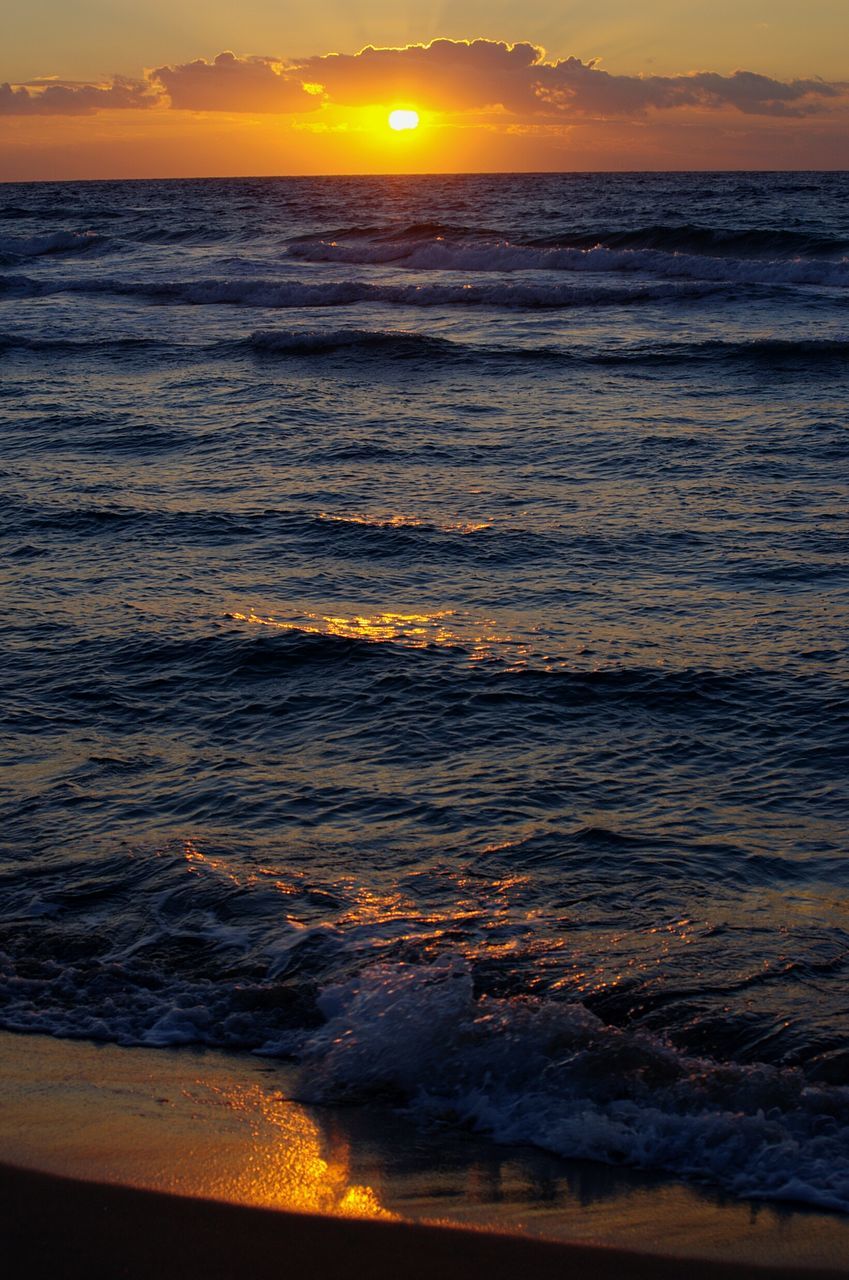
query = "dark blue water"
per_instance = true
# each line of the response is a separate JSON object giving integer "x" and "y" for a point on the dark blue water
{"x": 424, "y": 649}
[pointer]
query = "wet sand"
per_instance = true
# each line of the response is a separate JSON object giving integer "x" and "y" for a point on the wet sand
{"x": 189, "y": 1163}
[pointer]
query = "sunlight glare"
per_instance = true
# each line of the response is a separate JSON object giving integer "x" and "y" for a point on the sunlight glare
{"x": 403, "y": 120}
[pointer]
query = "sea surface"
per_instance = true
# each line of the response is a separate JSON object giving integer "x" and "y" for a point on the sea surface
{"x": 425, "y": 648}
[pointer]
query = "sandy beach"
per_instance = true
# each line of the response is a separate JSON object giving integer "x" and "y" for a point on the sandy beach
{"x": 202, "y": 1161}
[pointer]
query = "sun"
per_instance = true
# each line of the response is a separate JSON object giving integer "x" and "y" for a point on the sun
{"x": 403, "y": 120}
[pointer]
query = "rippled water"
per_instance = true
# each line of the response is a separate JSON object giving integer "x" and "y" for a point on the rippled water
{"x": 425, "y": 648}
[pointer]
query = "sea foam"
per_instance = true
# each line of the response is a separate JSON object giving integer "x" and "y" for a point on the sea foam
{"x": 502, "y": 255}
{"x": 552, "y": 1074}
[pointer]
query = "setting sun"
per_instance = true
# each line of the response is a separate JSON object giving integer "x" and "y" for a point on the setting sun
{"x": 403, "y": 120}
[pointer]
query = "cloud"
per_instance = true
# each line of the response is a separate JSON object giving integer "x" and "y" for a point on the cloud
{"x": 232, "y": 83}
{"x": 461, "y": 75}
{"x": 60, "y": 98}
{"x": 446, "y": 75}
{"x": 582, "y": 88}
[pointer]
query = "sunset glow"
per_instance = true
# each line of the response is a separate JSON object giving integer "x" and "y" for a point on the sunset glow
{"x": 541, "y": 95}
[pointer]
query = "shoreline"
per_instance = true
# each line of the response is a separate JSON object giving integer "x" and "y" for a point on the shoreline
{"x": 103, "y": 1125}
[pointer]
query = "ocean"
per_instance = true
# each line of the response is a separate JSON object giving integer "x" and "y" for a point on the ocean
{"x": 425, "y": 648}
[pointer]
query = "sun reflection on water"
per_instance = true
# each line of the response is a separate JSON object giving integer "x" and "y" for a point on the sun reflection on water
{"x": 287, "y": 1164}
{"x": 406, "y": 522}
{"x": 478, "y": 639}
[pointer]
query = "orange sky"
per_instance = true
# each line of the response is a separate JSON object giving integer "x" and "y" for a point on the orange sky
{"x": 485, "y": 105}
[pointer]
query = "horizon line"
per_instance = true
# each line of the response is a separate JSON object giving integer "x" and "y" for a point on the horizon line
{"x": 464, "y": 173}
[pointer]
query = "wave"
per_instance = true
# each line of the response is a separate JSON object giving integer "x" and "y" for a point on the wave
{"x": 194, "y": 954}
{"x": 438, "y": 254}
{"x": 686, "y": 238}
{"x": 775, "y": 352}
{"x": 113, "y": 345}
{"x": 712, "y": 241}
{"x": 382, "y": 342}
{"x": 453, "y": 247}
{"x": 341, "y": 536}
{"x": 802, "y": 354}
{"x": 279, "y": 342}
{"x": 187, "y": 233}
{"x": 272, "y": 294}
{"x": 430, "y": 652}
{"x": 56, "y": 243}
{"x": 552, "y": 1074}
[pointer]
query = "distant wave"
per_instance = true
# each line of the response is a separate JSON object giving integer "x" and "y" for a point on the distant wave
{"x": 437, "y": 254}
{"x": 354, "y": 344}
{"x": 401, "y": 343}
{"x": 711, "y": 241}
{"x": 280, "y": 342}
{"x": 113, "y": 345}
{"x": 688, "y": 238}
{"x": 774, "y": 352}
{"x": 395, "y": 244}
{"x": 509, "y": 295}
{"x": 306, "y": 342}
{"x": 14, "y": 248}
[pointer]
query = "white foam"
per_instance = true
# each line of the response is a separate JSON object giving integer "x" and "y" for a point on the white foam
{"x": 552, "y": 1074}
{"x": 502, "y": 255}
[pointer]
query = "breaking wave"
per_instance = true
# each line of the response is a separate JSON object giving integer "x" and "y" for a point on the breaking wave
{"x": 207, "y": 961}
{"x": 774, "y": 242}
{"x": 438, "y": 254}
{"x": 14, "y": 249}
{"x": 552, "y": 1074}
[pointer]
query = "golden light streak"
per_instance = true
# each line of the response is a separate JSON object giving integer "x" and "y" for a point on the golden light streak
{"x": 290, "y": 1163}
{"x": 406, "y": 522}
{"x": 477, "y": 639}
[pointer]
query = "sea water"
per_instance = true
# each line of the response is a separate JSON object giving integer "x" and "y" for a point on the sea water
{"x": 424, "y": 647}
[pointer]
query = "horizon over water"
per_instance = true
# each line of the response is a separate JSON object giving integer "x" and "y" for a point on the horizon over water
{"x": 426, "y": 648}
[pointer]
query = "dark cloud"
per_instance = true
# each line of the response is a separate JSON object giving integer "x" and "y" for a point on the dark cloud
{"x": 64, "y": 99}
{"x": 231, "y": 83}
{"x": 582, "y": 88}
{"x": 459, "y": 75}
{"x": 452, "y": 74}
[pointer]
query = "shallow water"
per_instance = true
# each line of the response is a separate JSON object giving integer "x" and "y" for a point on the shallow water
{"x": 425, "y": 648}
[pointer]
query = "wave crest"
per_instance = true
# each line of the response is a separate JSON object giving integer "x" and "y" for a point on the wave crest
{"x": 509, "y": 295}
{"x": 438, "y": 254}
{"x": 13, "y": 248}
{"x": 553, "y": 1075}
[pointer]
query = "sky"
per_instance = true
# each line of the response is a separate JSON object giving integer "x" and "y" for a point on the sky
{"x": 126, "y": 88}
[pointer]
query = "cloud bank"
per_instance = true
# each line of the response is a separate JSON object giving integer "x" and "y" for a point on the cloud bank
{"x": 458, "y": 75}
{"x": 63, "y": 99}
{"x": 446, "y": 75}
{"x": 231, "y": 83}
